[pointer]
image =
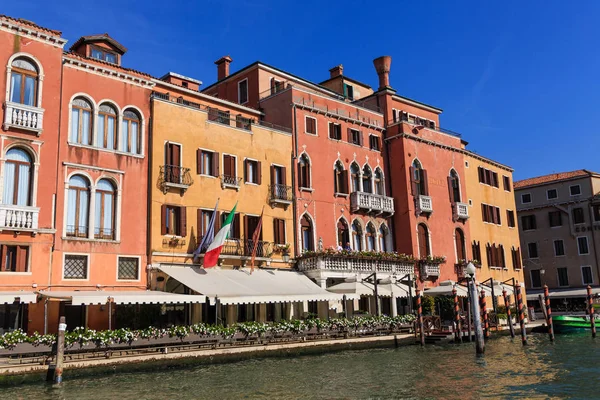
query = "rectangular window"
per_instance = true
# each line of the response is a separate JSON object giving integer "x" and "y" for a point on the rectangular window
{"x": 243, "y": 91}
{"x": 234, "y": 232}
{"x": 533, "y": 250}
{"x": 536, "y": 278}
{"x": 173, "y": 220}
{"x": 528, "y": 222}
{"x": 575, "y": 190}
{"x": 596, "y": 211}
{"x": 205, "y": 216}
{"x": 310, "y": 125}
{"x": 374, "y": 143}
{"x": 578, "y": 217}
{"x": 559, "y": 248}
{"x": 103, "y": 55}
{"x": 206, "y": 163}
{"x": 252, "y": 172}
{"x": 14, "y": 258}
{"x": 555, "y": 218}
{"x": 75, "y": 267}
{"x": 551, "y": 194}
{"x": 476, "y": 248}
{"x": 279, "y": 231}
{"x": 506, "y": 182}
{"x": 516, "y": 258}
{"x": 510, "y": 218}
{"x": 276, "y": 86}
{"x": 355, "y": 136}
{"x": 335, "y": 131}
{"x": 129, "y": 268}
{"x": 491, "y": 214}
{"x": 586, "y": 273}
{"x": 582, "y": 245}
{"x": 229, "y": 169}
{"x": 526, "y": 198}
{"x": 348, "y": 92}
{"x": 563, "y": 277}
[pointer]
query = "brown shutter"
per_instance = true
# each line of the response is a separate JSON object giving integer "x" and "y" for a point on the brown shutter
{"x": 349, "y": 133}
{"x": 233, "y": 166}
{"x": 344, "y": 179}
{"x": 283, "y": 176}
{"x": 236, "y": 225}
{"x": 480, "y": 173}
{"x": 168, "y": 154}
{"x": 182, "y": 221}
{"x": 276, "y": 230}
{"x": 217, "y": 221}
{"x": 301, "y": 181}
{"x": 198, "y": 161}
{"x": 413, "y": 184}
{"x": 245, "y": 170}
{"x": 227, "y": 165}
{"x": 498, "y": 215}
{"x": 282, "y": 231}
{"x": 273, "y": 182}
{"x": 22, "y": 258}
{"x": 361, "y": 138}
{"x": 176, "y": 156}
{"x": 259, "y": 173}
{"x": 425, "y": 183}
{"x": 450, "y": 189}
{"x": 163, "y": 220}
{"x": 483, "y": 213}
{"x": 199, "y": 230}
{"x": 215, "y": 161}
{"x": 246, "y": 233}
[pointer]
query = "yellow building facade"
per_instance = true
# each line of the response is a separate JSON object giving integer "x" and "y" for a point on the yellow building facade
{"x": 493, "y": 220}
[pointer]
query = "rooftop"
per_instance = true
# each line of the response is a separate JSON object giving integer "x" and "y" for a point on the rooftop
{"x": 30, "y": 24}
{"x": 103, "y": 37}
{"x": 560, "y": 176}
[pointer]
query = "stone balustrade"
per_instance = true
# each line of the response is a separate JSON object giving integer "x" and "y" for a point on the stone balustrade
{"x": 18, "y": 217}
{"x": 371, "y": 202}
{"x": 24, "y": 117}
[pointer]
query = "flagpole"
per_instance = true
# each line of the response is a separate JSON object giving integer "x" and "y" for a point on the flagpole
{"x": 255, "y": 236}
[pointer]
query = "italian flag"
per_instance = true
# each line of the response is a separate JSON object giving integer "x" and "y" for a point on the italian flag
{"x": 214, "y": 250}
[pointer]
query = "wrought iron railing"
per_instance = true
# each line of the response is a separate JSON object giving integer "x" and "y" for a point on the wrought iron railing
{"x": 230, "y": 181}
{"x": 80, "y": 231}
{"x": 244, "y": 247}
{"x": 176, "y": 174}
{"x": 280, "y": 192}
{"x": 104, "y": 233}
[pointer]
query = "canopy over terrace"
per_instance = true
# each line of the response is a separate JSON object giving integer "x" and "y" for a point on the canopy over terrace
{"x": 121, "y": 297}
{"x": 562, "y": 293}
{"x": 238, "y": 286}
{"x": 17, "y": 297}
{"x": 445, "y": 289}
{"x": 355, "y": 289}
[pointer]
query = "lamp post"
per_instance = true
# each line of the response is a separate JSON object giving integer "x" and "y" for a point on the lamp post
{"x": 479, "y": 343}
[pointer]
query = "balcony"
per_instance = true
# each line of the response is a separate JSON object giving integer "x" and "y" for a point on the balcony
{"x": 24, "y": 117}
{"x": 354, "y": 264}
{"x": 244, "y": 247}
{"x": 19, "y": 218}
{"x": 429, "y": 270}
{"x": 228, "y": 181}
{"x": 424, "y": 204}
{"x": 176, "y": 177}
{"x": 460, "y": 211}
{"x": 371, "y": 203}
{"x": 280, "y": 194}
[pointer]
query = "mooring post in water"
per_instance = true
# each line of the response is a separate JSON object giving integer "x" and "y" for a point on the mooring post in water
{"x": 479, "y": 340}
{"x": 591, "y": 310}
{"x": 55, "y": 371}
{"x": 420, "y": 318}
{"x": 484, "y": 315}
{"x": 521, "y": 311}
{"x": 458, "y": 331}
{"x": 508, "y": 313}
{"x": 548, "y": 313}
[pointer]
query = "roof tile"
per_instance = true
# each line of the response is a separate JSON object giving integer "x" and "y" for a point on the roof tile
{"x": 539, "y": 180}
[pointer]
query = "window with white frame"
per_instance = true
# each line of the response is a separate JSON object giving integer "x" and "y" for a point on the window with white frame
{"x": 78, "y": 203}
{"x": 75, "y": 266}
{"x": 310, "y": 125}
{"x": 526, "y": 198}
{"x": 586, "y": 275}
{"x": 574, "y": 190}
{"x": 131, "y": 139}
{"x": 128, "y": 268}
{"x": 18, "y": 169}
{"x": 81, "y": 121}
{"x": 104, "y": 227}
{"x": 24, "y": 82}
{"x": 582, "y": 245}
{"x": 371, "y": 237}
{"x": 106, "y": 131}
{"x": 383, "y": 235}
{"x": 552, "y": 194}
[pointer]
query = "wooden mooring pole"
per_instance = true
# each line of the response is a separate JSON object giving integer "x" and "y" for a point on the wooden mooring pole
{"x": 508, "y": 313}
{"x": 420, "y": 318}
{"x": 520, "y": 309}
{"x": 548, "y": 313}
{"x": 55, "y": 370}
{"x": 484, "y": 315}
{"x": 591, "y": 310}
{"x": 458, "y": 331}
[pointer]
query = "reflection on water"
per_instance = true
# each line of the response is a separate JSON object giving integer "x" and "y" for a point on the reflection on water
{"x": 568, "y": 368}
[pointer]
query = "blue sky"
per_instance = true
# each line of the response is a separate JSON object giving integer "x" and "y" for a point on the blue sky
{"x": 518, "y": 79}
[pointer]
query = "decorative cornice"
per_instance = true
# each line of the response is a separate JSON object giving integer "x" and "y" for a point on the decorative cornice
{"x": 109, "y": 73}
{"x": 20, "y": 30}
{"x": 93, "y": 167}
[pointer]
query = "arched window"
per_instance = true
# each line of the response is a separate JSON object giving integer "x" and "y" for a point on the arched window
{"x": 423, "y": 238}
{"x": 131, "y": 133}
{"x": 454, "y": 187}
{"x": 357, "y": 236}
{"x": 367, "y": 180}
{"x": 371, "y": 235}
{"x": 383, "y": 237}
{"x": 23, "y": 82}
{"x": 343, "y": 234}
{"x": 304, "y": 171}
{"x": 81, "y": 121}
{"x": 307, "y": 234}
{"x": 340, "y": 176}
{"x": 355, "y": 177}
{"x": 107, "y": 127}
{"x": 17, "y": 178}
{"x": 461, "y": 251}
{"x": 378, "y": 178}
{"x": 78, "y": 206}
{"x": 104, "y": 227}
{"x": 418, "y": 179}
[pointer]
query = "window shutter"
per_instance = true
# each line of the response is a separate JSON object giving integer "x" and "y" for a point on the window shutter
{"x": 480, "y": 172}
{"x": 283, "y": 176}
{"x": 168, "y": 153}
{"x": 227, "y": 165}
{"x": 236, "y": 225}
{"x": 301, "y": 180}
{"x": 199, "y": 230}
{"x": 425, "y": 184}
{"x": 246, "y": 233}
{"x": 450, "y": 189}
{"x": 276, "y": 230}
{"x": 498, "y": 216}
{"x": 349, "y": 133}
{"x": 176, "y": 156}
{"x": 282, "y": 231}
{"x": 198, "y": 161}
{"x": 361, "y": 138}
{"x": 344, "y": 178}
{"x": 413, "y": 184}
{"x": 217, "y": 221}
{"x": 22, "y": 258}
{"x": 215, "y": 161}
{"x": 533, "y": 222}
{"x": 182, "y": 221}
{"x": 245, "y": 170}
{"x": 273, "y": 182}
{"x": 163, "y": 221}
{"x": 259, "y": 173}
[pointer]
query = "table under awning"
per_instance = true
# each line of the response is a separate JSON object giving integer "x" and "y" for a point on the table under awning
{"x": 355, "y": 289}
{"x": 238, "y": 286}
{"x": 17, "y": 297}
{"x": 445, "y": 289}
{"x": 533, "y": 294}
{"x": 89, "y": 297}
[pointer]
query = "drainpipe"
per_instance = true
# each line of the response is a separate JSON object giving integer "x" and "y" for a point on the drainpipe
{"x": 294, "y": 158}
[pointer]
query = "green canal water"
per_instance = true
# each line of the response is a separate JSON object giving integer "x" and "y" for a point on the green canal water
{"x": 569, "y": 368}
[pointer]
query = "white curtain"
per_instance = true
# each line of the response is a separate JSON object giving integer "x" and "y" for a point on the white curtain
{"x": 135, "y": 138}
{"x": 84, "y": 201}
{"x": 125, "y": 135}
{"x": 74, "y": 125}
{"x": 100, "y": 132}
{"x": 111, "y": 134}
{"x": 24, "y": 185}
{"x": 15, "y": 87}
{"x": 29, "y": 91}
{"x": 85, "y": 135}
{"x": 9, "y": 183}
{"x": 71, "y": 209}
{"x": 72, "y": 206}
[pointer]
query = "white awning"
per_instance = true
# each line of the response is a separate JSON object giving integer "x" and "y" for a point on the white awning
{"x": 562, "y": 293}
{"x": 18, "y": 297}
{"x": 445, "y": 289}
{"x": 240, "y": 287}
{"x": 498, "y": 287}
{"x": 122, "y": 297}
{"x": 356, "y": 289}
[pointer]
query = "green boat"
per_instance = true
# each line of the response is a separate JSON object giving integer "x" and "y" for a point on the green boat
{"x": 571, "y": 323}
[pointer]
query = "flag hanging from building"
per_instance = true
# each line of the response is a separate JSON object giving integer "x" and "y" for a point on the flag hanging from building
{"x": 255, "y": 237}
{"x": 209, "y": 235}
{"x": 214, "y": 250}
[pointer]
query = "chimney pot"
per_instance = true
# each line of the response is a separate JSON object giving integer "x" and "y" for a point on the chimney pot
{"x": 338, "y": 70}
{"x": 382, "y": 66}
{"x": 223, "y": 67}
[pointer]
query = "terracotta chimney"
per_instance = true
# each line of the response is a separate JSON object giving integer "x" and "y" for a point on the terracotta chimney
{"x": 336, "y": 71}
{"x": 382, "y": 66}
{"x": 223, "y": 67}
